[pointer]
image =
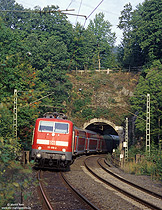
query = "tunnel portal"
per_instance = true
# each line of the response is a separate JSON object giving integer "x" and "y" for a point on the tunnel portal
{"x": 104, "y": 127}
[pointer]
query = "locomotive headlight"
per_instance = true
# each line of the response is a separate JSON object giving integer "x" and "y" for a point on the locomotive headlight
{"x": 38, "y": 155}
{"x": 64, "y": 150}
{"x": 39, "y": 148}
{"x": 63, "y": 157}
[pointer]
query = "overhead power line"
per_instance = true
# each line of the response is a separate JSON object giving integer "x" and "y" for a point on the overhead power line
{"x": 37, "y": 11}
{"x": 132, "y": 113}
{"x": 74, "y": 14}
{"x": 92, "y": 12}
{"x": 79, "y": 10}
{"x": 70, "y": 3}
{"x": 95, "y": 8}
{"x": 45, "y": 12}
{"x": 103, "y": 10}
{"x": 37, "y": 100}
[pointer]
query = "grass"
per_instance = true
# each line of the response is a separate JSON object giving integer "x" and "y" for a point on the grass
{"x": 144, "y": 167}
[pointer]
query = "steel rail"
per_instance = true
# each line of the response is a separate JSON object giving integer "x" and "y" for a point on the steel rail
{"x": 152, "y": 206}
{"x": 128, "y": 182}
{"x": 82, "y": 197}
{"x": 43, "y": 193}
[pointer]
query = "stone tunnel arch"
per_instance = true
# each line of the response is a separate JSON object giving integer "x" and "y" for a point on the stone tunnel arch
{"x": 104, "y": 126}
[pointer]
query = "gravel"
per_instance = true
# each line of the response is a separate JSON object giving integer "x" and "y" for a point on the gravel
{"x": 103, "y": 197}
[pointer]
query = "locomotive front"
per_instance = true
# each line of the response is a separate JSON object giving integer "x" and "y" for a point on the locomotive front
{"x": 52, "y": 142}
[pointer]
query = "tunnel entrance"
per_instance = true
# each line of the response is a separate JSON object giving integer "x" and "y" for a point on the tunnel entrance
{"x": 105, "y": 127}
{"x": 102, "y": 128}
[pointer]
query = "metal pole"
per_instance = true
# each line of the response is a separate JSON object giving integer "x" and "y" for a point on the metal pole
{"x": 148, "y": 125}
{"x": 99, "y": 63}
{"x": 15, "y": 115}
{"x": 126, "y": 140}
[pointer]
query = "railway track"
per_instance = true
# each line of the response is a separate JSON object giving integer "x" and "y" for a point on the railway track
{"x": 137, "y": 193}
{"x": 128, "y": 182}
{"x": 57, "y": 193}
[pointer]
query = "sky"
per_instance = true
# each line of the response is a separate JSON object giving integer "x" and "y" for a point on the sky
{"x": 111, "y": 9}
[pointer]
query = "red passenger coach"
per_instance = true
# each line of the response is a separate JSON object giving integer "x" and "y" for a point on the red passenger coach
{"x": 93, "y": 142}
{"x": 80, "y": 138}
{"x": 52, "y": 142}
{"x": 86, "y": 141}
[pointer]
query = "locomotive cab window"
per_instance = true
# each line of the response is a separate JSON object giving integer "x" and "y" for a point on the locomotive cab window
{"x": 61, "y": 128}
{"x": 56, "y": 127}
{"x": 46, "y": 126}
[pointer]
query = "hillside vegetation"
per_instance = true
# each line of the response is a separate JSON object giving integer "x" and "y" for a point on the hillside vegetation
{"x": 39, "y": 51}
{"x": 101, "y": 95}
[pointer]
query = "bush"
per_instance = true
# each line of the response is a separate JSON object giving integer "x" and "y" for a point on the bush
{"x": 14, "y": 178}
{"x": 149, "y": 165}
{"x": 154, "y": 162}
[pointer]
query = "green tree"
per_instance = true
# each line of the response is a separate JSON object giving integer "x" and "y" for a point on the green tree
{"x": 141, "y": 33}
{"x": 11, "y": 18}
{"x": 16, "y": 73}
{"x": 148, "y": 24}
{"x": 125, "y": 25}
{"x": 105, "y": 39}
{"x": 45, "y": 50}
{"x": 150, "y": 83}
{"x": 102, "y": 29}
{"x": 132, "y": 55}
{"x": 84, "y": 45}
{"x": 125, "y": 20}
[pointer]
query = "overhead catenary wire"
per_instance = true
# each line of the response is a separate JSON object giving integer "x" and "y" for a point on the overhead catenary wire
{"x": 79, "y": 10}
{"x": 36, "y": 11}
{"x": 132, "y": 113}
{"x": 45, "y": 12}
{"x": 38, "y": 99}
{"x": 92, "y": 12}
{"x": 84, "y": 26}
{"x": 70, "y": 4}
{"x": 102, "y": 10}
{"x": 95, "y": 9}
{"x": 74, "y": 14}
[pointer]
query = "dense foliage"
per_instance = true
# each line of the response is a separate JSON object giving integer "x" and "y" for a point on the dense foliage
{"x": 141, "y": 33}
{"x": 14, "y": 178}
{"x": 105, "y": 39}
{"x": 37, "y": 49}
{"x": 150, "y": 82}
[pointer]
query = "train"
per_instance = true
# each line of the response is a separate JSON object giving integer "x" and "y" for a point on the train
{"x": 57, "y": 142}
{"x": 112, "y": 142}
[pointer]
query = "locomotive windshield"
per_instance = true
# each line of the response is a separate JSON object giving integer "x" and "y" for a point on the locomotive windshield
{"x": 61, "y": 128}
{"x": 46, "y": 126}
{"x": 56, "y": 127}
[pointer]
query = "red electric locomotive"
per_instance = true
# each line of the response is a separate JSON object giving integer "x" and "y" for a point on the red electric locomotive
{"x": 52, "y": 142}
{"x": 56, "y": 142}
